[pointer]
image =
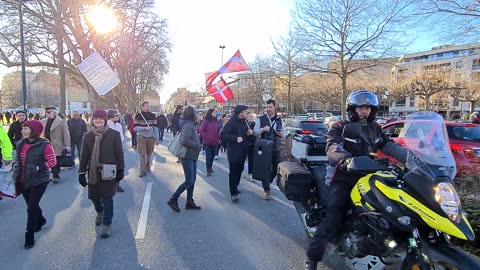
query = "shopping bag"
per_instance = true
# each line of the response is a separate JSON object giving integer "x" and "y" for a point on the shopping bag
{"x": 177, "y": 148}
{"x": 7, "y": 186}
{"x": 67, "y": 160}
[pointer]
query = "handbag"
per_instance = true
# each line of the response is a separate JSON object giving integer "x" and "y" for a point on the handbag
{"x": 67, "y": 160}
{"x": 177, "y": 148}
{"x": 109, "y": 172}
{"x": 7, "y": 185}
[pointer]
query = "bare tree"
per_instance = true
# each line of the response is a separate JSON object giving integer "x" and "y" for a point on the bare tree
{"x": 288, "y": 63}
{"x": 462, "y": 17}
{"x": 468, "y": 91}
{"x": 344, "y": 36}
{"x": 322, "y": 89}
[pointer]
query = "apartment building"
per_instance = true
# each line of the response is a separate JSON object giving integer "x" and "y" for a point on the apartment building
{"x": 461, "y": 60}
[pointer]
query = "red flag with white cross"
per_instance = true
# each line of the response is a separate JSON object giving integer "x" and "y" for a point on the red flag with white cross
{"x": 220, "y": 91}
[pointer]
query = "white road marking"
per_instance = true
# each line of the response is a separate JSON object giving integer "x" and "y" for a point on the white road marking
{"x": 142, "y": 222}
{"x": 152, "y": 163}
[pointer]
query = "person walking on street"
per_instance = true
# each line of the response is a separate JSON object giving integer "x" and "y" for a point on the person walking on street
{"x": 190, "y": 139}
{"x": 114, "y": 123}
{"x": 101, "y": 146}
{"x": 131, "y": 128}
{"x": 35, "y": 157}
{"x": 7, "y": 117}
{"x": 251, "y": 146}
{"x": 147, "y": 136}
{"x": 56, "y": 131}
{"x": 235, "y": 134}
{"x": 176, "y": 119}
{"x": 270, "y": 127}
{"x": 6, "y": 148}
{"x": 162, "y": 123}
{"x": 15, "y": 129}
{"x": 210, "y": 132}
{"x": 77, "y": 128}
{"x": 1, "y": 118}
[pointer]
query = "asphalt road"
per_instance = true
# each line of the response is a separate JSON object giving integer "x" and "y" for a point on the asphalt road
{"x": 253, "y": 234}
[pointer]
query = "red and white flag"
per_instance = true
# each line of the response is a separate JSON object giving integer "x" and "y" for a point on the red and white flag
{"x": 220, "y": 91}
{"x": 235, "y": 64}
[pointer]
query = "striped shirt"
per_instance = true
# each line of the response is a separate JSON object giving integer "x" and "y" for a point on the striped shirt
{"x": 48, "y": 154}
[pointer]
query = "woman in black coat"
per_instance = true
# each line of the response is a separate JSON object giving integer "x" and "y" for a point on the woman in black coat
{"x": 101, "y": 145}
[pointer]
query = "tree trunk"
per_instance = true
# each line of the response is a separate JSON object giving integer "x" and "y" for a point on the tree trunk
{"x": 472, "y": 106}
{"x": 344, "y": 96}
{"x": 289, "y": 102}
{"x": 61, "y": 61}
{"x": 427, "y": 103}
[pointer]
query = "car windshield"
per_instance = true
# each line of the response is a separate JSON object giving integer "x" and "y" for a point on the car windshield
{"x": 467, "y": 133}
{"x": 425, "y": 135}
{"x": 382, "y": 121}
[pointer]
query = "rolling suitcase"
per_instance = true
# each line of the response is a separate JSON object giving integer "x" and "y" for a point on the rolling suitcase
{"x": 262, "y": 160}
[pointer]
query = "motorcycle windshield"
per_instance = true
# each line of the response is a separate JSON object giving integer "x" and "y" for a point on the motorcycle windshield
{"x": 425, "y": 135}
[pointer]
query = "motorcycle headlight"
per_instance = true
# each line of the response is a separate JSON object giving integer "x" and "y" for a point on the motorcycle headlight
{"x": 447, "y": 197}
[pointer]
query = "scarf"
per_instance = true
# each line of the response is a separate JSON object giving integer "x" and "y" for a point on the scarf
{"x": 95, "y": 160}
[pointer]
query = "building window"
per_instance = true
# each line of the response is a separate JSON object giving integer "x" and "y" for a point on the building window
{"x": 456, "y": 102}
{"x": 412, "y": 101}
{"x": 401, "y": 102}
{"x": 459, "y": 64}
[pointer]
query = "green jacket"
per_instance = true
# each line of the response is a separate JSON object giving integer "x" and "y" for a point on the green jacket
{"x": 5, "y": 145}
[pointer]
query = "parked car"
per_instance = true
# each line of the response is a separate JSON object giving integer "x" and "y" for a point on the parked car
{"x": 303, "y": 126}
{"x": 383, "y": 121}
{"x": 464, "y": 141}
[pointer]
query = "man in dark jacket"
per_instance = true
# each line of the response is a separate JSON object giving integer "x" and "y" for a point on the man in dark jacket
{"x": 270, "y": 127}
{"x": 77, "y": 128}
{"x": 162, "y": 123}
{"x": 177, "y": 115}
{"x": 235, "y": 134}
{"x": 362, "y": 107}
{"x": 15, "y": 129}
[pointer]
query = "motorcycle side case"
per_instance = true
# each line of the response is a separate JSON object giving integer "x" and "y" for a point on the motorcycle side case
{"x": 262, "y": 159}
{"x": 294, "y": 181}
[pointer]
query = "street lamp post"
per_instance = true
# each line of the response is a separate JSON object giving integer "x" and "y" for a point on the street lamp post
{"x": 22, "y": 55}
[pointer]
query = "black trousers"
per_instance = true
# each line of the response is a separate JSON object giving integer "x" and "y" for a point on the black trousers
{"x": 76, "y": 145}
{"x": 236, "y": 169}
{"x": 332, "y": 224}
{"x": 32, "y": 197}
{"x": 251, "y": 150}
{"x": 275, "y": 161}
{"x": 56, "y": 168}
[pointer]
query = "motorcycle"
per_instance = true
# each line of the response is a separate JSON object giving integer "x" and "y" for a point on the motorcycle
{"x": 400, "y": 218}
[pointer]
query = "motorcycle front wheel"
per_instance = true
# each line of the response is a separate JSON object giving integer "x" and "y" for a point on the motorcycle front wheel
{"x": 436, "y": 266}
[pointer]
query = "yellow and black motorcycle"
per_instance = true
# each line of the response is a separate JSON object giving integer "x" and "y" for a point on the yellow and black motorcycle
{"x": 401, "y": 218}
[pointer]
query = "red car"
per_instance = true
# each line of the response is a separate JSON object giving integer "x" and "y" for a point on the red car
{"x": 464, "y": 141}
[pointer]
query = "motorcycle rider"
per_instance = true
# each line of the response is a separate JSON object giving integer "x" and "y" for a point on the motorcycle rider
{"x": 362, "y": 107}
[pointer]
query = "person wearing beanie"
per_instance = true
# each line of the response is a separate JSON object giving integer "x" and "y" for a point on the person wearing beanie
{"x": 31, "y": 176}
{"x": 15, "y": 129}
{"x": 270, "y": 127}
{"x": 101, "y": 145}
{"x": 56, "y": 131}
{"x": 235, "y": 134}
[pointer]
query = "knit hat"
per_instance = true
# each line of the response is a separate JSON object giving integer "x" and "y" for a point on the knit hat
{"x": 240, "y": 108}
{"x": 21, "y": 111}
{"x": 100, "y": 113}
{"x": 51, "y": 108}
{"x": 35, "y": 125}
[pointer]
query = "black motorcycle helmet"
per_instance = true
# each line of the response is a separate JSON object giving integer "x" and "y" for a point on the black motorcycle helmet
{"x": 361, "y": 98}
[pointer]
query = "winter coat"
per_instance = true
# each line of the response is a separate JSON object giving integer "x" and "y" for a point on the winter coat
{"x": 210, "y": 132}
{"x": 339, "y": 148}
{"x": 176, "y": 121}
{"x": 111, "y": 152}
{"x": 162, "y": 121}
{"x": 59, "y": 134}
{"x": 35, "y": 170}
{"x": 234, "y": 128}
{"x": 15, "y": 133}
{"x": 131, "y": 126}
{"x": 6, "y": 147}
{"x": 190, "y": 139}
{"x": 77, "y": 128}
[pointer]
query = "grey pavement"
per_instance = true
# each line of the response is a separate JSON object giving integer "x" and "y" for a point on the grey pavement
{"x": 253, "y": 234}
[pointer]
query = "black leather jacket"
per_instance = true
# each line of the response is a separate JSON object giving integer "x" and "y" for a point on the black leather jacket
{"x": 340, "y": 148}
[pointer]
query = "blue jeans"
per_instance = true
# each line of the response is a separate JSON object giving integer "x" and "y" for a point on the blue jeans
{"x": 190, "y": 171}
{"x": 161, "y": 131}
{"x": 210, "y": 152}
{"x": 105, "y": 205}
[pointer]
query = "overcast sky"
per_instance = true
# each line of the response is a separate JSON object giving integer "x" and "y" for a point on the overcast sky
{"x": 197, "y": 28}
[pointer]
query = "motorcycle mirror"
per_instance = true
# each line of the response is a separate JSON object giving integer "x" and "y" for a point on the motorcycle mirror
{"x": 353, "y": 131}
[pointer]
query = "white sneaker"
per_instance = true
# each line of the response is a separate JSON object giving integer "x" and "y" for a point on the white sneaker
{"x": 216, "y": 157}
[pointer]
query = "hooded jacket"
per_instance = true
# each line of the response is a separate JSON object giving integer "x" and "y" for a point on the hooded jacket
{"x": 234, "y": 128}
{"x": 190, "y": 139}
{"x": 210, "y": 132}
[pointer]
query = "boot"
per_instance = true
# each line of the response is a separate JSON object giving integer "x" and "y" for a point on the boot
{"x": 41, "y": 223}
{"x": 191, "y": 205}
{"x": 173, "y": 203}
{"x": 99, "y": 219}
{"x": 106, "y": 231}
{"x": 268, "y": 195}
{"x": 310, "y": 265}
{"x": 29, "y": 240}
